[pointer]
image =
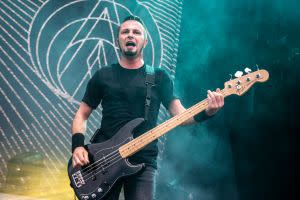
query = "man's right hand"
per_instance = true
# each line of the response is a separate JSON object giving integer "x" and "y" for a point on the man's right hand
{"x": 80, "y": 157}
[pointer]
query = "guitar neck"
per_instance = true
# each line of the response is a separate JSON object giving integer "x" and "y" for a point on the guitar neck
{"x": 140, "y": 142}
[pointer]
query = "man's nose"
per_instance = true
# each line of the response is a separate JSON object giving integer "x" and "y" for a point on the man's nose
{"x": 130, "y": 34}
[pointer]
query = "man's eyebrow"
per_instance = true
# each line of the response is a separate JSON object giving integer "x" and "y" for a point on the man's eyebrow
{"x": 124, "y": 29}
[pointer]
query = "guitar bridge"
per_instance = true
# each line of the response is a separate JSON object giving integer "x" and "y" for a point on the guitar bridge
{"x": 78, "y": 179}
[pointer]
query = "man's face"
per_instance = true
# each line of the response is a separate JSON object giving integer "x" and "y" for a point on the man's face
{"x": 132, "y": 38}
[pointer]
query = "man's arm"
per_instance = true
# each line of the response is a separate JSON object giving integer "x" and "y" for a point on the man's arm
{"x": 80, "y": 155}
{"x": 215, "y": 103}
{"x": 80, "y": 119}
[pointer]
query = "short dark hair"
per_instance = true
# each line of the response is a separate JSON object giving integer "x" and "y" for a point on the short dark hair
{"x": 134, "y": 18}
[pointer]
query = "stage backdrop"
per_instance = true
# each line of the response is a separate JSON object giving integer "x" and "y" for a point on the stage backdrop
{"x": 49, "y": 51}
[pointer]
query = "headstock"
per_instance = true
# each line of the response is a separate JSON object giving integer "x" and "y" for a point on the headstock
{"x": 241, "y": 84}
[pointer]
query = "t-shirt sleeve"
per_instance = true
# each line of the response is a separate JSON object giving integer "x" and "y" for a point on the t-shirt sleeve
{"x": 166, "y": 89}
{"x": 94, "y": 91}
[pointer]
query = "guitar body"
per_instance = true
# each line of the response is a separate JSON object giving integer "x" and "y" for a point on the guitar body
{"x": 106, "y": 166}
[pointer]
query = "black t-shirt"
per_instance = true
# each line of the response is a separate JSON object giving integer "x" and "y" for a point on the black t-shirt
{"x": 122, "y": 94}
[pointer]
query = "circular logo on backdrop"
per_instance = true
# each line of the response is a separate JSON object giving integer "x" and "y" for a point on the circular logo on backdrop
{"x": 70, "y": 40}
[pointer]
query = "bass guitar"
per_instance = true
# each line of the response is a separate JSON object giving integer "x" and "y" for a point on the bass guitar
{"x": 109, "y": 159}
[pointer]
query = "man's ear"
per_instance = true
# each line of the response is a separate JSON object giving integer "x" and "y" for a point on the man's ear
{"x": 118, "y": 43}
{"x": 145, "y": 43}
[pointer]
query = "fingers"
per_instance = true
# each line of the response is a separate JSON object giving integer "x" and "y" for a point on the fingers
{"x": 211, "y": 99}
{"x": 86, "y": 157}
{"x": 80, "y": 157}
{"x": 76, "y": 161}
{"x": 219, "y": 97}
{"x": 215, "y": 101}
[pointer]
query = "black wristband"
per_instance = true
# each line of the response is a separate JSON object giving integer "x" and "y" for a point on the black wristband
{"x": 77, "y": 140}
{"x": 202, "y": 116}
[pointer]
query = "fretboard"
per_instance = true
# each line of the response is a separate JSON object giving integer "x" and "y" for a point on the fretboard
{"x": 140, "y": 142}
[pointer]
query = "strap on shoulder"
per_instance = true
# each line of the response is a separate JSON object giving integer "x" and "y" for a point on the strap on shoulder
{"x": 149, "y": 82}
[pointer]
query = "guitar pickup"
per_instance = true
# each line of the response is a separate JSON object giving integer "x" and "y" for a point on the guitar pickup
{"x": 78, "y": 179}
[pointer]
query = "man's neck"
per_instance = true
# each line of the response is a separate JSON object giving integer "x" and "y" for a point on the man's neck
{"x": 131, "y": 63}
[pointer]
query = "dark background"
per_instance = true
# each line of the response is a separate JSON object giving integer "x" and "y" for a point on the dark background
{"x": 255, "y": 136}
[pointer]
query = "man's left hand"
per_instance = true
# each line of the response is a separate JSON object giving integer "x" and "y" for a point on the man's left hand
{"x": 215, "y": 101}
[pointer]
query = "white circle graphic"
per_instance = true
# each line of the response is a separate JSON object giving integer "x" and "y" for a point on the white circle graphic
{"x": 70, "y": 40}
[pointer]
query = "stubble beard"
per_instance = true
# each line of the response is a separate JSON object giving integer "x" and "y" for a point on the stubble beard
{"x": 132, "y": 54}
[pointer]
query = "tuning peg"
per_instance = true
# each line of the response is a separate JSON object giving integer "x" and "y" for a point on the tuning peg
{"x": 238, "y": 74}
{"x": 247, "y": 70}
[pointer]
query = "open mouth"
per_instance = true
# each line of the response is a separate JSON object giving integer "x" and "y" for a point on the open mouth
{"x": 130, "y": 44}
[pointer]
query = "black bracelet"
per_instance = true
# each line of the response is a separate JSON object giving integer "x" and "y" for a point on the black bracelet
{"x": 77, "y": 141}
{"x": 202, "y": 116}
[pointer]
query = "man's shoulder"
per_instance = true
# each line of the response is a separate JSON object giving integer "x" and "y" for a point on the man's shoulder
{"x": 154, "y": 69}
{"x": 161, "y": 72}
{"x": 105, "y": 69}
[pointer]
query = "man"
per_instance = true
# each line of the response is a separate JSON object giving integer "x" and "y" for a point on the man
{"x": 121, "y": 90}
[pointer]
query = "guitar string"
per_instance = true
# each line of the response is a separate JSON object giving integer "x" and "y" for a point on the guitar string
{"x": 96, "y": 164}
{"x": 113, "y": 157}
{"x": 120, "y": 158}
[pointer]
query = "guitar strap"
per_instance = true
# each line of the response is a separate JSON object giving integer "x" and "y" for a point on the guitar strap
{"x": 149, "y": 82}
